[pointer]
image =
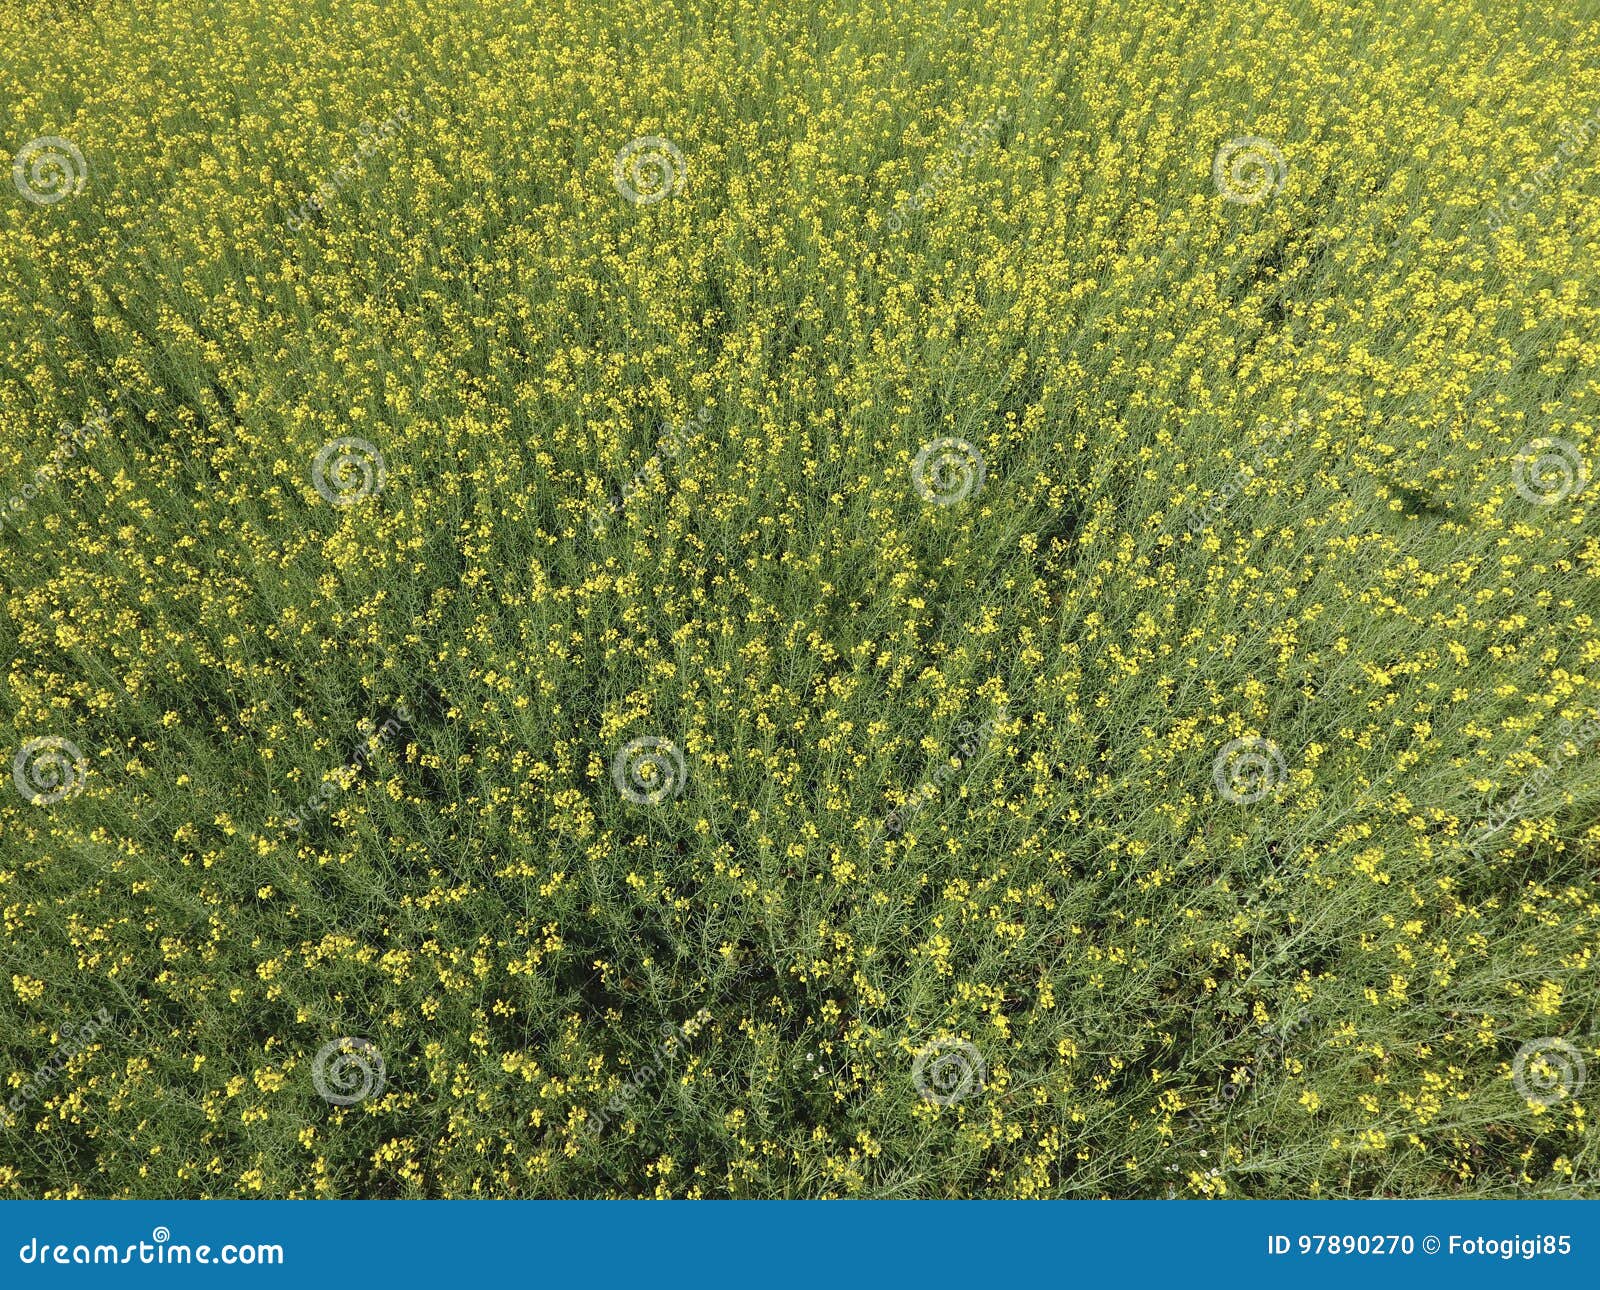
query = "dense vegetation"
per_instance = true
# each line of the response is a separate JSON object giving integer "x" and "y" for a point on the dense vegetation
{"x": 712, "y": 598}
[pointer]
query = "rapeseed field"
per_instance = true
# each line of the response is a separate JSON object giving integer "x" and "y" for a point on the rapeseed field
{"x": 713, "y": 599}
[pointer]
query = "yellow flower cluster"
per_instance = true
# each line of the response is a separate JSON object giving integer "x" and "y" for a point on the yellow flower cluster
{"x": 933, "y": 581}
